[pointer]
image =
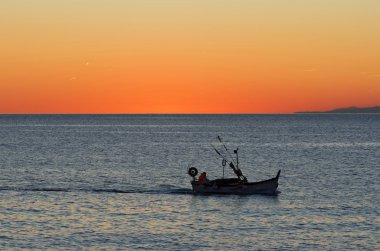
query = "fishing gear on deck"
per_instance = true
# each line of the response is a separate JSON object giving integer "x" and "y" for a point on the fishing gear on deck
{"x": 220, "y": 140}
{"x": 234, "y": 166}
{"x": 192, "y": 171}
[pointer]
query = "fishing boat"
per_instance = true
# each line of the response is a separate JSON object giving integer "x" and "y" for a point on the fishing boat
{"x": 238, "y": 186}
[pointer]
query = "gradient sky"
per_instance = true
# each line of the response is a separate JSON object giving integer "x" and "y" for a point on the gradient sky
{"x": 188, "y": 56}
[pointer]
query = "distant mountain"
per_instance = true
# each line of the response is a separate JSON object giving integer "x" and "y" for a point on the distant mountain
{"x": 353, "y": 109}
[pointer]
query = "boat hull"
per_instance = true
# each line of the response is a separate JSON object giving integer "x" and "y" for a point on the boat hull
{"x": 234, "y": 186}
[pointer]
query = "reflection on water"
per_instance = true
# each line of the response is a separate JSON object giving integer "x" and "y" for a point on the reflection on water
{"x": 106, "y": 182}
{"x": 32, "y": 219}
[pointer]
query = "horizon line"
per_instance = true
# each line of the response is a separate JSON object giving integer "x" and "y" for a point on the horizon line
{"x": 293, "y": 113}
{"x": 146, "y": 113}
{"x": 331, "y": 111}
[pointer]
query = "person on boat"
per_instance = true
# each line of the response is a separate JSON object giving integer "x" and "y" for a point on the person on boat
{"x": 203, "y": 178}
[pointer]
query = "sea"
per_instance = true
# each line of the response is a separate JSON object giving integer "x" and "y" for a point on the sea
{"x": 120, "y": 182}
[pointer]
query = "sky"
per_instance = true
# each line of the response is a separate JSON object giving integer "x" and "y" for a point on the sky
{"x": 188, "y": 56}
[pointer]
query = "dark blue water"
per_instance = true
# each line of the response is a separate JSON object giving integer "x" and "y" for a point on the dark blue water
{"x": 120, "y": 182}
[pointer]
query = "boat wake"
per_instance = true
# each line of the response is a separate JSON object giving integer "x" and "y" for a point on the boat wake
{"x": 162, "y": 189}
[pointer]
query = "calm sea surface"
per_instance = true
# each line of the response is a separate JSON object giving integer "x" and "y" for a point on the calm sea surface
{"x": 120, "y": 182}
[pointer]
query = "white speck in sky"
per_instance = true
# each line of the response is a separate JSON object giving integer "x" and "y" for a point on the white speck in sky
{"x": 310, "y": 70}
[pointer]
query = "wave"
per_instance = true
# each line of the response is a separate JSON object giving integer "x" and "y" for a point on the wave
{"x": 7, "y": 146}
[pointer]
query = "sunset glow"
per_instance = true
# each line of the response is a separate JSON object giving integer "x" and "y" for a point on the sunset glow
{"x": 200, "y": 56}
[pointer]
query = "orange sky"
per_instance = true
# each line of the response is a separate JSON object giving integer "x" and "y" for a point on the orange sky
{"x": 188, "y": 56}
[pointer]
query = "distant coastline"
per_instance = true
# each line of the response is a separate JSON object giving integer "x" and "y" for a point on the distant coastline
{"x": 353, "y": 109}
